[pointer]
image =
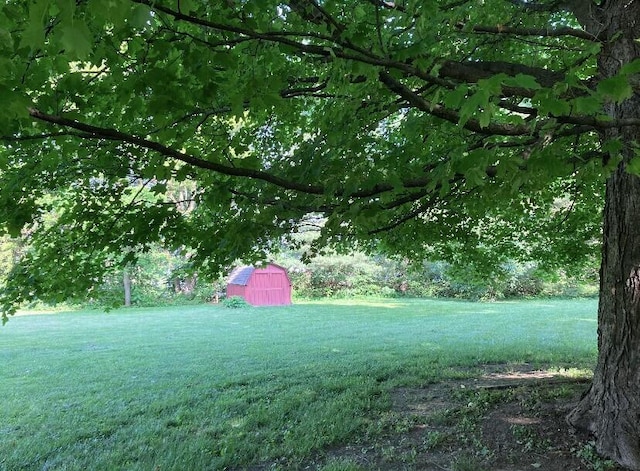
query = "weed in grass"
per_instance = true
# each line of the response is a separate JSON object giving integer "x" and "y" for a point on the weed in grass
{"x": 531, "y": 398}
{"x": 235, "y": 302}
{"x": 592, "y": 459}
{"x": 479, "y": 400}
{"x": 561, "y": 392}
{"x": 466, "y": 462}
{"x": 388, "y": 453}
{"x": 342, "y": 464}
{"x": 444, "y": 418}
{"x": 402, "y": 453}
{"x": 434, "y": 439}
{"x": 528, "y": 439}
{"x": 469, "y": 434}
{"x": 573, "y": 372}
{"x": 392, "y": 423}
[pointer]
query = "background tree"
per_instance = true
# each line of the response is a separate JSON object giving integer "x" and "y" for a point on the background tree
{"x": 474, "y": 130}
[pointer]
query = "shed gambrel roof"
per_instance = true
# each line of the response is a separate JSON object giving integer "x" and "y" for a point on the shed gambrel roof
{"x": 240, "y": 275}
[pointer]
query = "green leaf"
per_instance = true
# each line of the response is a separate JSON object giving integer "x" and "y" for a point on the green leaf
{"x": 7, "y": 68}
{"x": 141, "y": 16}
{"x": 270, "y": 99}
{"x": 613, "y": 147}
{"x": 633, "y": 167}
{"x": 455, "y": 98}
{"x": 476, "y": 103}
{"x": 588, "y": 105}
{"x": 6, "y": 40}
{"x": 33, "y": 35}
{"x": 475, "y": 177}
{"x": 225, "y": 60}
{"x": 237, "y": 104}
{"x": 617, "y": 88}
{"x": 76, "y": 39}
{"x": 359, "y": 13}
{"x": 14, "y": 104}
{"x": 493, "y": 85}
{"x": 485, "y": 117}
{"x": 524, "y": 81}
{"x": 631, "y": 68}
{"x": 187, "y": 6}
{"x": 159, "y": 188}
{"x": 67, "y": 9}
{"x": 550, "y": 104}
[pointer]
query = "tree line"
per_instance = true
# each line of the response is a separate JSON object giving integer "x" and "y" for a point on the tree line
{"x": 162, "y": 277}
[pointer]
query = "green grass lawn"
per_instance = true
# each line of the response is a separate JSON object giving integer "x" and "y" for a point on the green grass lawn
{"x": 208, "y": 387}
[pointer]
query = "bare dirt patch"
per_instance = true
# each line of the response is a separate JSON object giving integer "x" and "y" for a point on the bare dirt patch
{"x": 502, "y": 420}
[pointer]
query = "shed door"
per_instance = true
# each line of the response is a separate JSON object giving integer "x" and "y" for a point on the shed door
{"x": 269, "y": 288}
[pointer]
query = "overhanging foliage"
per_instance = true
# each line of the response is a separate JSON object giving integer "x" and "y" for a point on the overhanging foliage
{"x": 420, "y": 128}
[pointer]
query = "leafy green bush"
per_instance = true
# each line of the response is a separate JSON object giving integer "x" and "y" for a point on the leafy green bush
{"x": 336, "y": 276}
{"x": 361, "y": 275}
{"x": 520, "y": 281}
{"x": 235, "y": 302}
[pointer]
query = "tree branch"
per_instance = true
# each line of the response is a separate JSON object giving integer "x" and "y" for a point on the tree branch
{"x": 88, "y": 131}
{"x": 313, "y": 90}
{"x": 407, "y": 217}
{"x": 37, "y": 137}
{"x": 599, "y": 124}
{"x": 544, "y": 32}
{"x": 473, "y": 71}
{"x": 452, "y": 116}
{"x": 333, "y": 48}
{"x": 114, "y": 135}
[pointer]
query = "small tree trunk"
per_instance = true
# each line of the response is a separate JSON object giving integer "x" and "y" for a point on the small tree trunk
{"x": 126, "y": 281}
{"x": 190, "y": 283}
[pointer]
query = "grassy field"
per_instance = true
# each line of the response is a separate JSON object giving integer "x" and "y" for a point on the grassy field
{"x": 208, "y": 387}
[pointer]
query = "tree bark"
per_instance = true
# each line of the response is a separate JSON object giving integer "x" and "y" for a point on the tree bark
{"x": 611, "y": 407}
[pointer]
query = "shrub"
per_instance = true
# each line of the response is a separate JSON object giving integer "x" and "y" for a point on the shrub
{"x": 337, "y": 276}
{"x": 235, "y": 302}
{"x": 521, "y": 281}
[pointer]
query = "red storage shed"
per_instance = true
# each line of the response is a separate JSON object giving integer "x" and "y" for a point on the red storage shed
{"x": 267, "y": 286}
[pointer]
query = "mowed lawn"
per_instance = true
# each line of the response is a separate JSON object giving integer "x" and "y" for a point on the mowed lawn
{"x": 207, "y": 387}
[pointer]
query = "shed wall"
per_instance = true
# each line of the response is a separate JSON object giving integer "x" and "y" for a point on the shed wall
{"x": 269, "y": 286}
{"x": 235, "y": 290}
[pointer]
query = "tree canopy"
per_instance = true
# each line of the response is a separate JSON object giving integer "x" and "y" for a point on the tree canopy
{"x": 464, "y": 129}
{"x": 467, "y": 130}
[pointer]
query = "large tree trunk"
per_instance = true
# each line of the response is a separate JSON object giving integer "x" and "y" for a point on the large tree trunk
{"x": 611, "y": 407}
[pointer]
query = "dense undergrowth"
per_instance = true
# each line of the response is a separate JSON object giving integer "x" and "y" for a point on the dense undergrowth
{"x": 161, "y": 278}
{"x": 353, "y": 276}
